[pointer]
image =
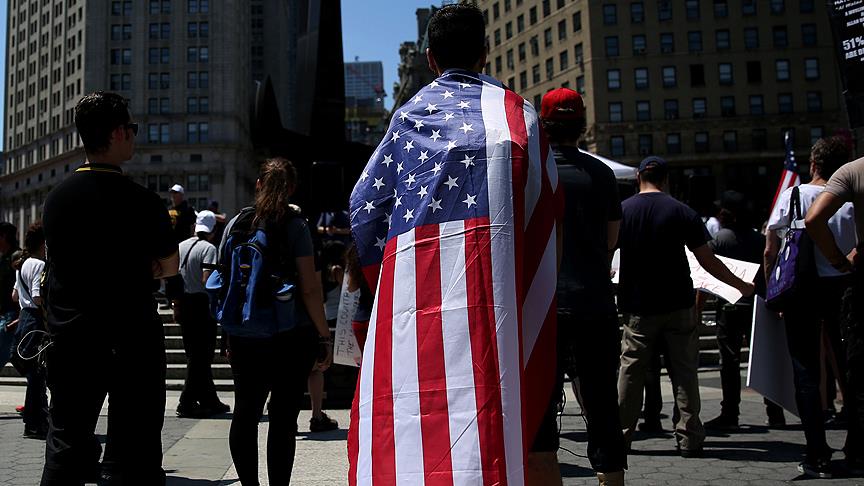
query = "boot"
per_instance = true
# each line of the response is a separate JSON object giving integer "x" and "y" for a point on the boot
{"x": 611, "y": 478}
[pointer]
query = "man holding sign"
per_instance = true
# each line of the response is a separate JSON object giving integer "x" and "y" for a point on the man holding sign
{"x": 657, "y": 292}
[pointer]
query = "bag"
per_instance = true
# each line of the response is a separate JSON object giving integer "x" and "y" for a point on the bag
{"x": 253, "y": 285}
{"x": 795, "y": 268}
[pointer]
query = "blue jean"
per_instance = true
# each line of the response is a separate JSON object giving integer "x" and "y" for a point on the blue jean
{"x": 7, "y": 338}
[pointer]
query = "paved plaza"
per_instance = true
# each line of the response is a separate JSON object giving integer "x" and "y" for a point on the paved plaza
{"x": 196, "y": 451}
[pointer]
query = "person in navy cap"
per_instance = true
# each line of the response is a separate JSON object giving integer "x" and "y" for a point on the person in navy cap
{"x": 656, "y": 291}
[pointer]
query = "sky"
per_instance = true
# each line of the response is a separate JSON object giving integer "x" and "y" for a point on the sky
{"x": 373, "y": 29}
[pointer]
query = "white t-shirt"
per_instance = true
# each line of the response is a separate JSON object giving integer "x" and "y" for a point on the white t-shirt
{"x": 713, "y": 226}
{"x": 192, "y": 273}
{"x": 28, "y": 282}
{"x": 842, "y": 224}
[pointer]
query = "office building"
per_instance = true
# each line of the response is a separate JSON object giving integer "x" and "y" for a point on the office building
{"x": 365, "y": 117}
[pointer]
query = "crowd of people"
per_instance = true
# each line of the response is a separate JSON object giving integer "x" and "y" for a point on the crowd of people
{"x": 62, "y": 312}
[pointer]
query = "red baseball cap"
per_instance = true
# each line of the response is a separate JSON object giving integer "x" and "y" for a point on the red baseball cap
{"x": 562, "y": 104}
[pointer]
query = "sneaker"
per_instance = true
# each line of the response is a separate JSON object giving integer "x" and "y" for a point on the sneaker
{"x": 38, "y": 434}
{"x": 651, "y": 427}
{"x": 20, "y": 409}
{"x": 217, "y": 408}
{"x": 322, "y": 424}
{"x": 189, "y": 411}
{"x": 691, "y": 453}
{"x": 819, "y": 468}
{"x": 722, "y": 422}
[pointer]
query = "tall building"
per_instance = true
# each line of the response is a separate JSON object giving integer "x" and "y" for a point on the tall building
{"x": 414, "y": 72}
{"x": 711, "y": 85}
{"x": 364, "y": 102}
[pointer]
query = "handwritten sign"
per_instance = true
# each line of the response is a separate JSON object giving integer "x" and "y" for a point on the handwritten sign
{"x": 702, "y": 280}
{"x": 346, "y": 351}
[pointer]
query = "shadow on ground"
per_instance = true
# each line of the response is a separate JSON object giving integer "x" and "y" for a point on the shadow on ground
{"x": 178, "y": 481}
{"x": 339, "y": 434}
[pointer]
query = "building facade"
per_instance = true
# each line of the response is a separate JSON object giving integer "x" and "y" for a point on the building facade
{"x": 711, "y": 85}
{"x": 414, "y": 72}
{"x": 365, "y": 116}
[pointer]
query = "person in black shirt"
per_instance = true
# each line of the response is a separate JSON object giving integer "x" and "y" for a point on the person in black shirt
{"x": 588, "y": 341}
{"x": 100, "y": 307}
{"x": 656, "y": 290}
{"x": 182, "y": 214}
{"x": 8, "y": 309}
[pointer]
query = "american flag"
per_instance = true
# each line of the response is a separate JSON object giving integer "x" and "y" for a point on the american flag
{"x": 790, "y": 171}
{"x": 454, "y": 221}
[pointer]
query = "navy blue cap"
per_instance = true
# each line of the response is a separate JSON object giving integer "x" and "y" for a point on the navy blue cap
{"x": 652, "y": 160}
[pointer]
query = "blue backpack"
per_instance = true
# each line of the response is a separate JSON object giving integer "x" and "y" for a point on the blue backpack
{"x": 254, "y": 283}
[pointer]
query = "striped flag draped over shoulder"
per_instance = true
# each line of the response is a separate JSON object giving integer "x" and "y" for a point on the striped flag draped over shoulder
{"x": 454, "y": 221}
{"x": 789, "y": 177}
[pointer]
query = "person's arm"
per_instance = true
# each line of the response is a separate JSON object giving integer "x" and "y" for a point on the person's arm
{"x": 718, "y": 270}
{"x": 769, "y": 256}
{"x": 613, "y": 228}
{"x": 311, "y": 292}
{"x": 15, "y": 295}
{"x": 36, "y": 284}
{"x": 817, "y": 227}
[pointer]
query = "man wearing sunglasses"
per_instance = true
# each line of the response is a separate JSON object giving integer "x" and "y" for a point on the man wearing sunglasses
{"x": 100, "y": 308}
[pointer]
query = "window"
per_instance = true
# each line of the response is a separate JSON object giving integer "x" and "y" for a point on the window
{"x": 814, "y": 101}
{"x": 510, "y": 63}
{"x": 670, "y": 109}
{"x": 547, "y": 38}
{"x": 564, "y": 59}
{"x": 697, "y": 75}
{"x": 667, "y": 43}
{"x": 692, "y": 7}
{"x": 612, "y": 46}
{"x": 191, "y": 80}
{"x": 778, "y": 6}
{"x": 721, "y": 37}
{"x": 754, "y": 72}
{"x": 730, "y": 141}
{"x": 806, "y": 6}
{"x": 560, "y": 3}
{"x": 197, "y": 133}
{"x": 498, "y": 65}
{"x": 547, "y": 9}
{"x": 507, "y": 5}
{"x": 724, "y": 70}
{"x": 748, "y": 7}
{"x": 784, "y": 103}
{"x": 496, "y": 11}
{"x": 535, "y": 46}
{"x": 780, "y": 36}
{"x": 580, "y": 85}
{"x": 751, "y": 38}
{"x": 643, "y": 110}
{"x": 610, "y": 14}
{"x": 646, "y": 144}
{"x": 782, "y": 69}
{"x": 520, "y": 23}
{"x": 550, "y": 69}
{"x": 577, "y": 54}
{"x": 759, "y": 138}
{"x": 701, "y": 144}
{"x": 664, "y": 10}
{"x": 562, "y": 30}
{"x": 166, "y": 30}
{"x": 808, "y": 34}
{"x": 508, "y": 30}
{"x": 637, "y": 12}
{"x": 616, "y": 146}
{"x": 811, "y": 68}
{"x": 721, "y": 9}
{"x": 727, "y": 106}
{"x": 673, "y": 143}
{"x": 670, "y": 77}
{"x": 532, "y": 15}
{"x": 640, "y": 44}
{"x": 616, "y": 112}
{"x": 613, "y": 78}
{"x": 535, "y": 74}
{"x": 154, "y": 7}
{"x": 153, "y": 106}
{"x": 694, "y": 41}
{"x": 497, "y": 37}
{"x": 153, "y": 133}
{"x": 577, "y": 21}
{"x": 700, "y": 108}
{"x": 523, "y": 80}
{"x": 640, "y": 78}
{"x": 816, "y": 133}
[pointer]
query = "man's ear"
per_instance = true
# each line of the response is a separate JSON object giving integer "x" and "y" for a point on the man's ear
{"x": 433, "y": 66}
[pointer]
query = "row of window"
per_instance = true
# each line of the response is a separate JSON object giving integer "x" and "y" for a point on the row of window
{"x": 160, "y": 133}
{"x": 156, "y": 7}
{"x": 728, "y": 107}
{"x": 547, "y": 33}
{"x": 193, "y": 183}
{"x": 161, "y": 81}
{"x": 702, "y": 141}
{"x": 693, "y": 9}
{"x": 161, "y": 55}
{"x": 725, "y": 74}
{"x": 162, "y": 30}
{"x": 722, "y": 40}
{"x": 194, "y": 105}
{"x": 546, "y": 5}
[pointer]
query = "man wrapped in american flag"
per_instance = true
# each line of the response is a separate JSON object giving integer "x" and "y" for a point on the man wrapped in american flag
{"x": 455, "y": 222}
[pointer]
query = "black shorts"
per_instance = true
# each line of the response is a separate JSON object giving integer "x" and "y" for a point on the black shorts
{"x": 547, "y": 439}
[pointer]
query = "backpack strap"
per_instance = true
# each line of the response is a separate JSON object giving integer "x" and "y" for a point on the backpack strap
{"x": 795, "y": 204}
{"x": 188, "y": 253}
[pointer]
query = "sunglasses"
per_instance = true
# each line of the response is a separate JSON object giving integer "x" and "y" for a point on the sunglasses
{"x": 133, "y": 127}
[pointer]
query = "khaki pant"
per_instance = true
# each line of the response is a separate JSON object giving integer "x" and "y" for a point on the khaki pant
{"x": 678, "y": 330}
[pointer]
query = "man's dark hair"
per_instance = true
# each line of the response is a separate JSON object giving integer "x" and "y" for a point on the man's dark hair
{"x": 96, "y": 116}
{"x": 828, "y": 155}
{"x": 655, "y": 174}
{"x": 9, "y": 232}
{"x": 457, "y": 36}
{"x": 560, "y": 130}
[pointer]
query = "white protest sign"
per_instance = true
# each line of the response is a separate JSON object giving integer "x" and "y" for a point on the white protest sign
{"x": 346, "y": 351}
{"x": 770, "y": 368}
{"x": 702, "y": 280}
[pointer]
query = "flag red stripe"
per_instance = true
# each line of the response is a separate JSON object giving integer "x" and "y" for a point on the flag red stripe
{"x": 484, "y": 350}
{"x": 383, "y": 439}
{"x": 353, "y": 439}
{"x": 540, "y": 226}
{"x": 434, "y": 414}
{"x": 541, "y": 368}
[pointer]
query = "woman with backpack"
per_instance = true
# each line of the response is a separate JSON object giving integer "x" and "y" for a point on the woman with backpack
{"x": 274, "y": 357}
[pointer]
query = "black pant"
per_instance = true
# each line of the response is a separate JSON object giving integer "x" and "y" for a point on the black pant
{"x": 28, "y": 341}
{"x": 589, "y": 348}
{"x": 279, "y": 366}
{"x": 804, "y": 336}
{"x": 199, "y": 342}
{"x": 852, "y": 330}
{"x": 83, "y": 365}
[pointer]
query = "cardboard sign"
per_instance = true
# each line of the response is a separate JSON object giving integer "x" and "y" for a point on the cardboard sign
{"x": 770, "y": 368}
{"x": 346, "y": 351}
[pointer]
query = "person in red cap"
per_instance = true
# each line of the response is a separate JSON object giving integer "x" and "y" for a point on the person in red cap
{"x": 588, "y": 343}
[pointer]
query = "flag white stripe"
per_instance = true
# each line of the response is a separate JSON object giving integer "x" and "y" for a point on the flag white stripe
{"x": 534, "y": 182}
{"x": 406, "y": 387}
{"x": 500, "y": 188}
{"x": 539, "y": 298}
{"x": 458, "y": 362}
{"x": 364, "y": 422}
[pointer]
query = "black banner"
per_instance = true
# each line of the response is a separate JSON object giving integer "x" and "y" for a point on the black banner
{"x": 847, "y": 24}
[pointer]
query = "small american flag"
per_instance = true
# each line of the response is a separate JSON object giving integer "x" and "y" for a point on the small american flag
{"x": 454, "y": 221}
{"x": 790, "y": 176}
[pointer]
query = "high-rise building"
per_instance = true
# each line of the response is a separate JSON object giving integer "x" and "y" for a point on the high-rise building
{"x": 712, "y": 85}
{"x": 414, "y": 72}
{"x": 364, "y": 101}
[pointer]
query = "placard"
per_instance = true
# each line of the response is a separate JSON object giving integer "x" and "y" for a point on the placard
{"x": 346, "y": 351}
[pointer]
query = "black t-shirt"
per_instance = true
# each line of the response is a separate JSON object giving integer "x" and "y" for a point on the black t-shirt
{"x": 655, "y": 275}
{"x": 745, "y": 244}
{"x": 7, "y": 282}
{"x": 103, "y": 232}
{"x": 183, "y": 220}
{"x": 590, "y": 203}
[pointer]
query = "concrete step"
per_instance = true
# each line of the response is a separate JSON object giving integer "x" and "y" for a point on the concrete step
{"x": 178, "y": 356}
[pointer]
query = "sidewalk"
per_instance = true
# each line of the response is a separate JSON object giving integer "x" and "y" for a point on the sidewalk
{"x": 196, "y": 451}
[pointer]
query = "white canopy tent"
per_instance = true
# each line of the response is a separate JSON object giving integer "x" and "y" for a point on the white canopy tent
{"x": 622, "y": 172}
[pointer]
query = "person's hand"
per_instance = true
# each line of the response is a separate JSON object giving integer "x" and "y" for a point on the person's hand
{"x": 325, "y": 356}
{"x": 846, "y": 264}
{"x": 12, "y": 325}
{"x": 747, "y": 289}
{"x": 853, "y": 257}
